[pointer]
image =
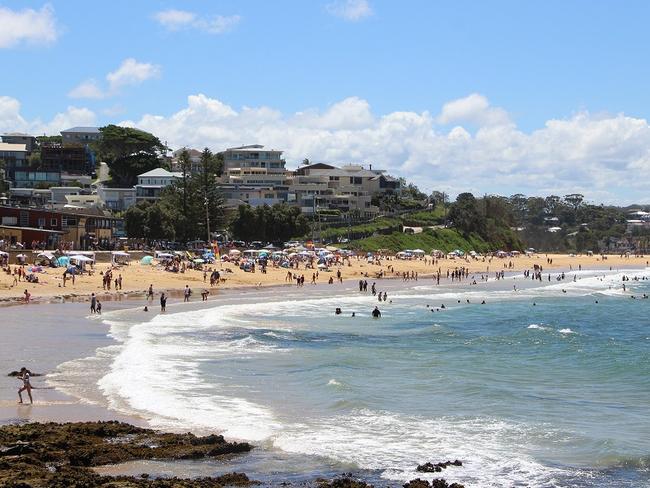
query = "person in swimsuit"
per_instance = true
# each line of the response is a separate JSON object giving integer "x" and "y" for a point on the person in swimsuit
{"x": 24, "y": 376}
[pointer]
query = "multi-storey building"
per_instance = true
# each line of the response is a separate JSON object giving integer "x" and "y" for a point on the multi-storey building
{"x": 20, "y": 138}
{"x": 151, "y": 184}
{"x": 81, "y": 136}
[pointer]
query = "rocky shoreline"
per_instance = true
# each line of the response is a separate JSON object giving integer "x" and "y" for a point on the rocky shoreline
{"x": 58, "y": 455}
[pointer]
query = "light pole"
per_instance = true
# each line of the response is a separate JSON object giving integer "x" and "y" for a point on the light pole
{"x": 207, "y": 218}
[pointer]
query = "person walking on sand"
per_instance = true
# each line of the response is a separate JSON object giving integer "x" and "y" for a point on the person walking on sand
{"x": 24, "y": 376}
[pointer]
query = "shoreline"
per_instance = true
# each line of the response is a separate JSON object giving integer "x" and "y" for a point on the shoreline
{"x": 138, "y": 278}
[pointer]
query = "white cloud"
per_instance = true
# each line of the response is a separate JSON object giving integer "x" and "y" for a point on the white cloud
{"x": 27, "y": 26}
{"x": 473, "y": 108}
{"x": 600, "y": 156}
{"x": 87, "y": 89}
{"x": 175, "y": 20}
{"x": 350, "y": 10}
{"x": 130, "y": 72}
{"x": 11, "y": 120}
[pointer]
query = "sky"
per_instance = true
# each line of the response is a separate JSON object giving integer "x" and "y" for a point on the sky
{"x": 500, "y": 97}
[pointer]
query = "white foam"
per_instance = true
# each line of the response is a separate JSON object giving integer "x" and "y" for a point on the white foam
{"x": 566, "y": 331}
{"x": 537, "y": 326}
{"x": 394, "y": 444}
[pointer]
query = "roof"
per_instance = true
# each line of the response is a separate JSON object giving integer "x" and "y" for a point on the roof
{"x": 89, "y": 130}
{"x": 252, "y": 148}
{"x": 17, "y": 134}
{"x": 160, "y": 173}
{"x": 31, "y": 228}
{"x": 6, "y": 146}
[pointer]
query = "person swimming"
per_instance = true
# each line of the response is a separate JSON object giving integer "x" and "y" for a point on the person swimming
{"x": 337, "y": 311}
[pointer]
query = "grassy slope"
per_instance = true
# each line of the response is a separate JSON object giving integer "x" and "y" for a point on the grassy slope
{"x": 444, "y": 239}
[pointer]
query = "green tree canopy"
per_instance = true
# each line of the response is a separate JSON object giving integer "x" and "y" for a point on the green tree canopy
{"x": 128, "y": 152}
{"x": 276, "y": 223}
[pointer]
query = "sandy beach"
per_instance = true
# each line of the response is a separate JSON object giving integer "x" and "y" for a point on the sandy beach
{"x": 137, "y": 278}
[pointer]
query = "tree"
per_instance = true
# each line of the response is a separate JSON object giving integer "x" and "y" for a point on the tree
{"x": 276, "y": 223}
{"x": 128, "y": 152}
{"x": 465, "y": 216}
{"x": 306, "y": 162}
{"x": 574, "y": 199}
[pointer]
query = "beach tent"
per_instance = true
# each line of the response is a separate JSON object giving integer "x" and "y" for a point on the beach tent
{"x": 88, "y": 254}
{"x": 80, "y": 260}
{"x": 3, "y": 253}
{"x": 270, "y": 246}
{"x": 63, "y": 261}
{"x": 147, "y": 260}
{"x": 120, "y": 257}
{"x": 234, "y": 252}
{"x": 418, "y": 252}
{"x": 163, "y": 255}
{"x": 437, "y": 253}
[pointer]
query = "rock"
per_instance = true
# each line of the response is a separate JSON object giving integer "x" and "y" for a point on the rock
{"x": 436, "y": 483}
{"x": 438, "y": 467}
{"x": 343, "y": 482}
{"x": 17, "y": 449}
{"x": 62, "y": 455}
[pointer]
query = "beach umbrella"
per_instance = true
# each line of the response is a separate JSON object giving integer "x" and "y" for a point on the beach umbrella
{"x": 22, "y": 256}
{"x": 146, "y": 260}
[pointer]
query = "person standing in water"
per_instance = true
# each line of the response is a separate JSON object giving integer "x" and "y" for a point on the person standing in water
{"x": 376, "y": 313}
{"x": 163, "y": 302}
{"x": 24, "y": 376}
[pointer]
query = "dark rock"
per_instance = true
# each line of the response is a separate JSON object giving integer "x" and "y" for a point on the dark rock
{"x": 436, "y": 483}
{"x": 438, "y": 467}
{"x": 343, "y": 482}
{"x": 62, "y": 455}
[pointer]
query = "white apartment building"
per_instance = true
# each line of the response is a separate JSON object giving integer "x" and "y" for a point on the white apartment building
{"x": 151, "y": 183}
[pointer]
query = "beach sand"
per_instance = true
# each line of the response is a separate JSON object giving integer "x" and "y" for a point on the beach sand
{"x": 137, "y": 278}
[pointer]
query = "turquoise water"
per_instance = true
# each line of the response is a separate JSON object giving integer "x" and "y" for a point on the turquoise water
{"x": 538, "y": 387}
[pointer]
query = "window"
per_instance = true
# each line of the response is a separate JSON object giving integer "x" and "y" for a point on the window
{"x": 41, "y": 222}
{"x": 53, "y": 222}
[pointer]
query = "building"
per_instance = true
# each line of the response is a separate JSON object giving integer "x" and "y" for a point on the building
{"x": 117, "y": 199}
{"x": 14, "y": 157}
{"x": 252, "y": 156}
{"x": 195, "y": 160}
{"x": 151, "y": 184}
{"x": 81, "y": 135}
{"x": 348, "y": 189}
{"x": 20, "y": 138}
{"x": 80, "y": 228}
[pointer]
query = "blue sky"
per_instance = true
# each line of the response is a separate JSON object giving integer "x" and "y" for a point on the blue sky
{"x": 582, "y": 63}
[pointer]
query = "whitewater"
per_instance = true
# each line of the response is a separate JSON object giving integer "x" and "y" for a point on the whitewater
{"x": 545, "y": 384}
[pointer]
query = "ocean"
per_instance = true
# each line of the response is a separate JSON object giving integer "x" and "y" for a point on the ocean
{"x": 546, "y": 385}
